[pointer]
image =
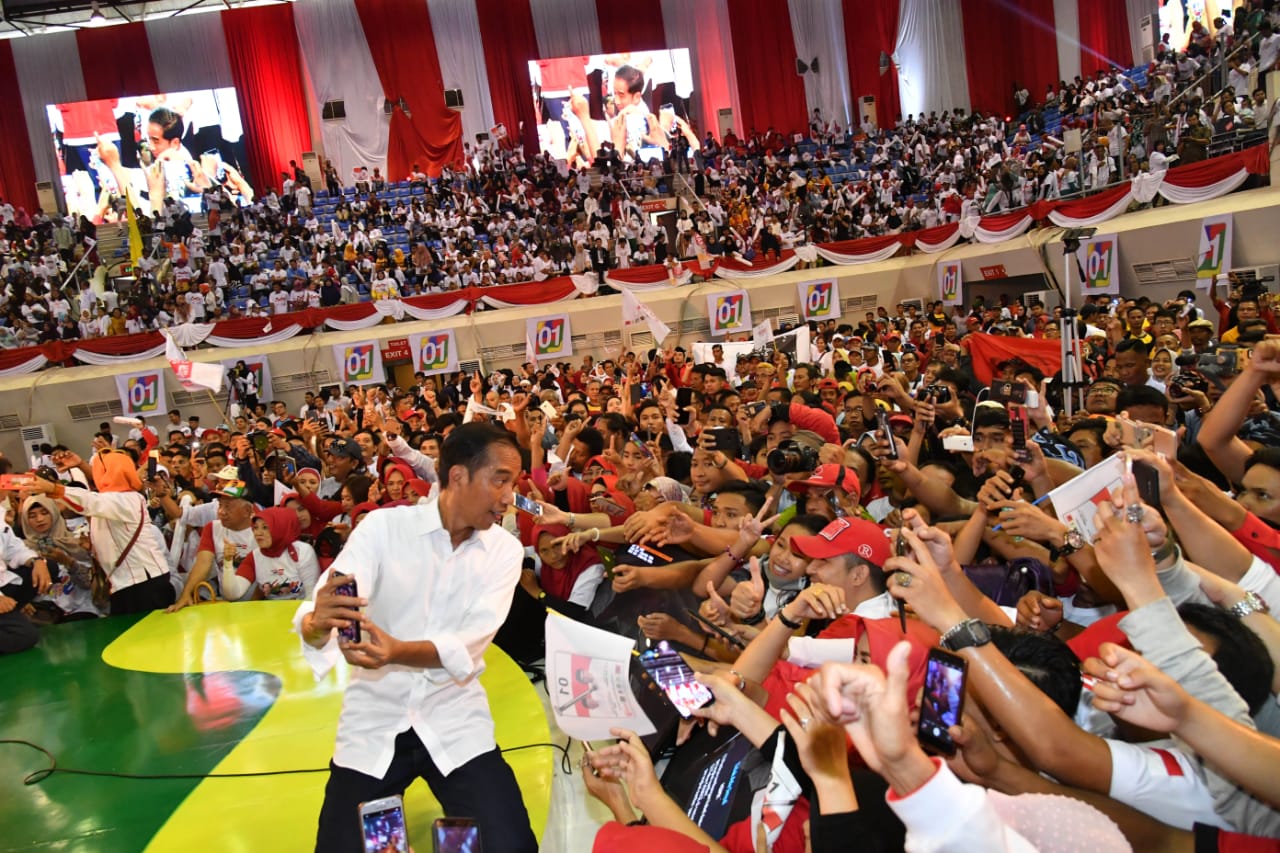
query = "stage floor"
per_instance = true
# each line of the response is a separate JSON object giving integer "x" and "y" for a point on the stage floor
{"x": 220, "y": 688}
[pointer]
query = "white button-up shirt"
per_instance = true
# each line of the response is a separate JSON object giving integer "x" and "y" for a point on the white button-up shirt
{"x": 13, "y": 552}
{"x": 113, "y": 518}
{"x": 419, "y": 588}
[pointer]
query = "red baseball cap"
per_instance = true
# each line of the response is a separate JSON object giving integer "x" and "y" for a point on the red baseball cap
{"x": 828, "y": 476}
{"x": 846, "y": 535}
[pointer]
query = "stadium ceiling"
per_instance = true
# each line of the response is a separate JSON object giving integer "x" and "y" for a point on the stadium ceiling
{"x": 31, "y": 17}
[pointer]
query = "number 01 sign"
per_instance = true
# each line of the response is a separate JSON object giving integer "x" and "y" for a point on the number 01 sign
{"x": 142, "y": 394}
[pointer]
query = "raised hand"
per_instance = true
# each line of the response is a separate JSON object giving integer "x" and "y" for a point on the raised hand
{"x": 1131, "y": 688}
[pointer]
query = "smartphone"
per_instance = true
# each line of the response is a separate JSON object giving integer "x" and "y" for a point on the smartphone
{"x": 548, "y": 409}
{"x": 676, "y": 679}
{"x": 958, "y": 443}
{"x": 644, "y": 448}
{"x": 637, "y": 394}
{"x": 716, "y": 629}
{"x": 152, "y": 459}
{"x": 1143, "y": 435}
{"x": 455, "y": 835}
{"x": 727, "y": 440}
{"x": 382, "y": 826}
{"x": 349, "y": 588}
{"x": 1018, "y": 427}
{"x": 15, "y": 482}
{"x": 886, "y": 434}
{"x": 1009, "y": 392}
{"x": 1147, "y": 479}
{"x": 261, "y": 441}
{"x": 942, "y": 702}
{"x": 529, "y": 505}
{"x": 684, "y": 399}
{"x": 757, "y": 407}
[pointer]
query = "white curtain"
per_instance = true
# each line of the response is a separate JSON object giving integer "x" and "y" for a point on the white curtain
{"x": 189, "y": 52}
{"x": 49, "y": 73}
{"x": 1137, "y": 10}
{"x": 930, "y": 57}
{"x": 566, "y": 27}
{"x": 340, "y": 68}
{"x": 1066, "y": 19}
{"x": 456, "y": 28}
{"x": 702, "y": 26}
{"x": 817, "y": 28}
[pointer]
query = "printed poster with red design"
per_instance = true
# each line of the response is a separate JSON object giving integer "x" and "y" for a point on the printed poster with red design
{"x": 588, "y": 676}
{"x": 1076, "y": 501}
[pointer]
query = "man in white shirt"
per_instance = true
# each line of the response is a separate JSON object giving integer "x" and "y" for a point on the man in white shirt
{"x": 435, "y": 582}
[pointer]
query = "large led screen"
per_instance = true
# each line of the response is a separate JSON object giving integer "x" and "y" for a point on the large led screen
{"x": 635, "y": 102}
{"x": 176, "y": 145}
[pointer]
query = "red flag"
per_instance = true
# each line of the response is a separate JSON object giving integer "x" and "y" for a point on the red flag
{"x": 986, "y": 351}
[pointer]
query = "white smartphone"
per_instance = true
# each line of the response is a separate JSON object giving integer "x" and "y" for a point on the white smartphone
{"x": 529, "y": 505}
{"x": 958, "y": 443}
{"x": 382, "y": 826}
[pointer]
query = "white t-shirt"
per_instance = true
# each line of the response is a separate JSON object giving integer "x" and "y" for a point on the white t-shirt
{"x": 1163, "y": 782}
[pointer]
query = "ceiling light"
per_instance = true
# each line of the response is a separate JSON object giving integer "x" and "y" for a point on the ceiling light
{"x": 96, "y": 18}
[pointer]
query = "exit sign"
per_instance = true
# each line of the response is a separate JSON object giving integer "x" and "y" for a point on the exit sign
{"x": 993, "y": 272}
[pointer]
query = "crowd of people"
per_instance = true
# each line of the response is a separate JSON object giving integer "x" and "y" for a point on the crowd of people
{"x": 803, "y": 528}
{"x": 502, "y": 217}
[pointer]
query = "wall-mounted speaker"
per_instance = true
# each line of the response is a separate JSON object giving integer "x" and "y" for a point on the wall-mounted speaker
{"x": 453, "y": 99}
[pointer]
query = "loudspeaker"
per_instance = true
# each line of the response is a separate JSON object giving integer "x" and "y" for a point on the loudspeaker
{"x": 388, "y": 106}
{"x": 453, "y": 99}
{"x": 333, "y": 110}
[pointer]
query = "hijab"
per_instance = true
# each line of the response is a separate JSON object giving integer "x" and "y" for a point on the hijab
{"x": 58, "y": 534}
{"x": 284, "y": 528}
{"x": 115, "y": 471}
{"x": 559, "y": 582}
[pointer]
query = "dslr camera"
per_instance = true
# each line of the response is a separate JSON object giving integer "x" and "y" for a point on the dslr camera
{"x": 791, "y": 457}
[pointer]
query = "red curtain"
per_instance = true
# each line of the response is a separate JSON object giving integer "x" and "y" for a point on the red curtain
{"x": 636, "y": 25}
{"x": 1009, "y": 42}
{"x": 404, "y": 52}
{"x": 770, "y": 91}
{"x": 116, "y": 61}
{"x": 871, "y": 27}
{"x": 1104, "y": 36}
{"x": 510, "y": 41}
{"x": 263, "y": 49}
{"x": 17, "y": 174}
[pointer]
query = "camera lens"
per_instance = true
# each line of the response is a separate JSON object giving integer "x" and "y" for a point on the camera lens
{"x": 791, "y": 457}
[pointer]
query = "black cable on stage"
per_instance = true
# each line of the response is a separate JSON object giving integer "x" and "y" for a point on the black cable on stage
{"x": 44, "y": 773}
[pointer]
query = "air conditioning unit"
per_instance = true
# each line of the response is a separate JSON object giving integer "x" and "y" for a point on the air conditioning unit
{"x": 38, "y": 434}
{"x": 724, "y": 120}
{"x": 867, "y": 110}
{"x": 1148, "y": 37}
{"x": 47, "y": 196}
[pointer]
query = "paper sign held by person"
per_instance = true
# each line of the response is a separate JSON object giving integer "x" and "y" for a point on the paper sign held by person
{"x": 588, "y": 674}
{"x": 1077, "y": 500}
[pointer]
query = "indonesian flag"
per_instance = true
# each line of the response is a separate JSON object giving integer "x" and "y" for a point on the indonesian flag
{"x": 633, "y": 311}
{"x": 192, "y": 374}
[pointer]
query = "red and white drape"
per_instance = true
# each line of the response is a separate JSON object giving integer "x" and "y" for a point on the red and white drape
{"x": 742, "y": 54}
{"x": 1184, "y": 184}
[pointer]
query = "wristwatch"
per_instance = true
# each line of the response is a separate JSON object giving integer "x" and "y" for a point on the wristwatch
{"x": 1072, "y": 541}
{"x": 970, "y": 633}
{"x": 1251, "y": 603}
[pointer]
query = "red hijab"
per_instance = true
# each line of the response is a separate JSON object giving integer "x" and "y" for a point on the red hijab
{"x": 285, "y": 530}
{"x": 559, "y": 582}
